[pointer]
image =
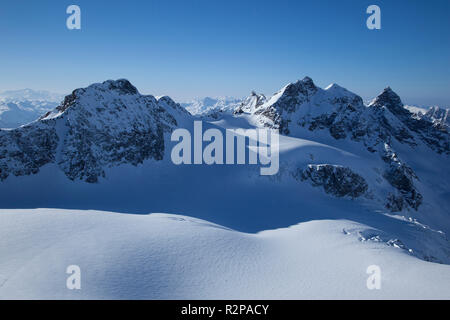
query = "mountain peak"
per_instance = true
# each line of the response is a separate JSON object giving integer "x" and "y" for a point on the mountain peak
{"x": 103, "y": 125}
{"x": 95, "y": 91}
{"x": 333, "y": 86}
{"x": 309, "y": 83}
{"x": 122, "y": 86}
{"x": 390, "y": 95}
{"x": 389, "y": 99}
{"x": 308, "y": 80}
{"x": 304, "y": 87}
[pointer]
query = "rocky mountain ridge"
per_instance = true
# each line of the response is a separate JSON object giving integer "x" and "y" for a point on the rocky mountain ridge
{"x": 109, "y": 124}
{"x": 103, "y": 125}
{"x": 380, "y": 126}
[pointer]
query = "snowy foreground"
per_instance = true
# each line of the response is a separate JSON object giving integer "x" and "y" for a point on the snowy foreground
{"x": 165, "y": 256}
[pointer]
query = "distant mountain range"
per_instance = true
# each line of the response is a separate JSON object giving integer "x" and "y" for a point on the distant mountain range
{"x": 206, "y": 106}
{"x": 31, "y": 95}
{"x": 437, "y": 115}
{"x": 20, "y": 107}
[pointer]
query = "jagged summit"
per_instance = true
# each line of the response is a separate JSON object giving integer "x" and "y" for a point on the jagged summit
{"x": 251, "y": 103}
{"x": 167, "y": 100}
{"x": 391, "y": 100}
{"x": 308, "y": 81}
{"x": 109, "y": 96}
{"x": 300, "y": 100}
{"x": 122, "y": 86}
{"x": 305, "y": 87}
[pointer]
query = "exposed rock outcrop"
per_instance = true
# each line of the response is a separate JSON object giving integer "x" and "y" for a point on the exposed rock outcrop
{"x": 336, "y": 180}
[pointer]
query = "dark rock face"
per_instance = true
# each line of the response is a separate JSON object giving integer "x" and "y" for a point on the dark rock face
{"x": 395, "y": 203}
{"x": 335, "y": 180}
{"x": 401, "y": 177}
{"x": 122, "y": 86}
{"x": 23, "y": 151}
{"x": 392, "y": 102}
{"x": 294, "y": 95}
{"x": 341, "y": 123}
{"x": 68, "y": 101}
{"x": 94, "y": 128}
{"x": 373, "y": 125}
{"x": 87, "y": 151}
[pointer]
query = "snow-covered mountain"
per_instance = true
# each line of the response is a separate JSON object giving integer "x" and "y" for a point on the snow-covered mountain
{"x": 107, "y": 147}
{"x": 20, "y": 107}
{"x": 302, "y": 105}
{"x": 302, "y": 109}
{"x": 211, "y": 107}
{"x": 251, "y": 103}
{"x": 100, "y": 126}
{"x": 438, "y": 115}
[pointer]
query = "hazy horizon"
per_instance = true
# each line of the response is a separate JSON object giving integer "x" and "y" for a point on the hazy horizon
{"x": 191, "y": 99}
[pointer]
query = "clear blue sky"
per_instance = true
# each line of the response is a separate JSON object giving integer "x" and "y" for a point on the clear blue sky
{"x": 193, "y": 48}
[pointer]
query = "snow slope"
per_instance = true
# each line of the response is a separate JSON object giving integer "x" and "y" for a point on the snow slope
{"x": 162, "y": 256}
